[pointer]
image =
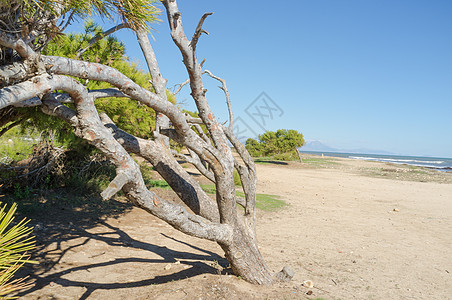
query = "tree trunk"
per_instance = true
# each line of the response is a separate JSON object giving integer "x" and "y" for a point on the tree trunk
{"x": 34, "y": 82}
{"x": 244, "y": 257}
{"x": 299, "y": 154}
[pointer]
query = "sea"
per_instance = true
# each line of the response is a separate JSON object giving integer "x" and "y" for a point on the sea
{"x": 437, "y": 163}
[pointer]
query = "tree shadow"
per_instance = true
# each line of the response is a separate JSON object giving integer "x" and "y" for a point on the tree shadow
{"x": 274, "y": 162}
{"x": 61, "y": 226}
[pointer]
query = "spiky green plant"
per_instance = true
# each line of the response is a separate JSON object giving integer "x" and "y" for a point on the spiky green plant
{"x": 15, "y": 242}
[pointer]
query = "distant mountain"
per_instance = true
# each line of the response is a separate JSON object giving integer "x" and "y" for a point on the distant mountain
{"x": 317, "y": 146}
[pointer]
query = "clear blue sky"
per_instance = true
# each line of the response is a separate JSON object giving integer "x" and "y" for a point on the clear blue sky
{"x": 350, "y": 73}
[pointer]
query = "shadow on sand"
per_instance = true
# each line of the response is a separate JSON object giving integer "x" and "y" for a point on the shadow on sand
{"x": 69, "y": 225}
{"x": 273, "y": 162}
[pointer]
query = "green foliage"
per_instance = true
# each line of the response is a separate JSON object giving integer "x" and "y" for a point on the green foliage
{"x": 129, "y": 115}
{"x": 281, "y": 144}
{"x": 15, "y": 241}
{"x": 51, "y": 167}
{"x": 15, "y": 146}
{"x": 105, "y": 51}
{"x": 159, "y": 184}
{"x": 237, "y": 180}
{"x": 20, "y": 192}
{"x": 209, "y": 188}
{"x": 136, "y": 13}
{"x": 287, "y": 156}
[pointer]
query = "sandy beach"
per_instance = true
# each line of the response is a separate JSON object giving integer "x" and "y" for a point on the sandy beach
{"x": 356, "y": 229}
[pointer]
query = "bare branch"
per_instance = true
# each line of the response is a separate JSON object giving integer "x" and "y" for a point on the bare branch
{"x": 180, "y": 86}
{"x": 69, "y": 20}
{"x": 158, "y": 82}
{"x": 228, "y": 97}
{"x": 115, "y": 185}
{"x": 247, "y": 174}
{"x": 241, "y": 150}
{"x": 24, "y": 91}
{"x": 198, "y": 92}
{"x": 194, "y": 159}
{"x": 188, "y": 190}
{"x": 89, "y": 127}
{"x": 15, "y": 72}
{"x": 193, "y": 120}
{"x": 201, "y": 133}
{"x": 66, "y": 98}
{"x": 199, "y": 30}
{"x": 106, "y": 93}
{"x": 9, "y": 41}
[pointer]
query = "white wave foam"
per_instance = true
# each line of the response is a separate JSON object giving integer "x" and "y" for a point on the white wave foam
{"x": 414, "y": 162}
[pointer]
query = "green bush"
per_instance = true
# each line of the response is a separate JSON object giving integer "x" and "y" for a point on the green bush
{"x": 280, "y": 145}
{"x": 292, "y": 155}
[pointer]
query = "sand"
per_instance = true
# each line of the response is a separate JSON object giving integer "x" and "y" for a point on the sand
{"x": 357, "y": 230}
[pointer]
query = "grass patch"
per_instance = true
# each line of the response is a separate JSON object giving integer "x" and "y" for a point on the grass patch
{"x": 158, "y": 184}
{"x": 209, "y": 188}
{"x": 15, "y": 148}
{"x": 264, "y": 202}
{"x": 267, "y": 202}
{"x": 319, "y": 161}
{"x": 147, "y": 172}
{"x": 237, "y": 179}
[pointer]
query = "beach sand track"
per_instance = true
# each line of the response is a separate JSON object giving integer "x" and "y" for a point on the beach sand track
{"x": 354, "y": 236}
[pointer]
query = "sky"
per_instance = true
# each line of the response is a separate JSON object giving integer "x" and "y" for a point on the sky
{"x": 348, "y": 73}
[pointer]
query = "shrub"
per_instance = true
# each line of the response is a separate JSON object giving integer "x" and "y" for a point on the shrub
{"x": 281, "y": 145}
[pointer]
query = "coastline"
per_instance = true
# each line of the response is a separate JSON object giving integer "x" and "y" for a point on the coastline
{"x": 437, "y": 163}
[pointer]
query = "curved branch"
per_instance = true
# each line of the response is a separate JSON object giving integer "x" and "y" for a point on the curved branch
{"x": 158, "y": 82}
{"x": 66, "y": 98}
{"x": 194, "y": 159}
{"x": 199, "y": 31}
{"x": 180, "y": 86}
{"x": 247, "y": 174}
{"x": 18, "y": 44}
{"x": 99, "y": 72}
{"x": 95, "y": 71}
{"x": 99, "y": 37}
{"x": 15, "y": 72}
{"x": 89, "y": 127}
{"x": 25, "y": 90}
{"x": 198, "y": 92}
{"x": 188, "y": 190}
{"x": 228, "y": 97}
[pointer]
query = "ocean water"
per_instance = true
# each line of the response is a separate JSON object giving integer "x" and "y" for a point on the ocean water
{"x": 438, "y": 163}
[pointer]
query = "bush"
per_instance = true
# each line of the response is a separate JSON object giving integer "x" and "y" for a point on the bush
{"x": 281, "y": 144}
{"x": 292, "y": 155}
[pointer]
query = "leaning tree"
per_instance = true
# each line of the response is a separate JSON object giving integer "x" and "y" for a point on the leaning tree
{"x": 29, "y": 78}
